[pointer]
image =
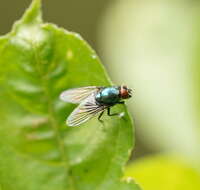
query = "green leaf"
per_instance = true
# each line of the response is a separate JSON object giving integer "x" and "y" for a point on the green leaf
{"x": 38, "y": 151}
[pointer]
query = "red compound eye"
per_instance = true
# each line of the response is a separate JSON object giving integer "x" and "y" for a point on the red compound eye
{"x": 124, "y": 92}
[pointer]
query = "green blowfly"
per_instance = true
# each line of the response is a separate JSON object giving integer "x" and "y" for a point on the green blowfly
{"x": 93, "y": 100}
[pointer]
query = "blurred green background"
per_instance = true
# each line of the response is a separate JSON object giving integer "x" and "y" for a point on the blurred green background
{"x": 153, "y": 47}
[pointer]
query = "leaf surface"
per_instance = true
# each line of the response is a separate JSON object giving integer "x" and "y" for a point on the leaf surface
{"x": 38, "y": 151}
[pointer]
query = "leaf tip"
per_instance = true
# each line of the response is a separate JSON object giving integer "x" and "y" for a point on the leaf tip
{"x": 33, "y": 13}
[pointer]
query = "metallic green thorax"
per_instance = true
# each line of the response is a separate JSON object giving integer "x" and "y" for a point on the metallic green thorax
{"x": 108, "y": 96}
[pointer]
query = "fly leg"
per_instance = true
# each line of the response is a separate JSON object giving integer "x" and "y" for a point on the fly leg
{"x": 118, "y": 114}
{"x": 100, "y": 115}
{"x": 111, "y": 114}
{"x": 121, "y": 102}
{"x": 101, "y": 121}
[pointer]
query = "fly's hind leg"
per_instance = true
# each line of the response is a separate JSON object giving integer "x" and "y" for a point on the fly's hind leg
{"x": 100, "y": 115}
{"x": 101, "y": 121}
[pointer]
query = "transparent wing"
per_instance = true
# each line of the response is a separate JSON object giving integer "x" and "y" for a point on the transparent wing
{"x": 77, "y": 95}
{"x": 85, "y": 111}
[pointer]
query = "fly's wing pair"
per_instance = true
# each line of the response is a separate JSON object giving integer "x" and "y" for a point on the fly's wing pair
{"x": 85, "y": 111}
{"x": 87, "y": 108}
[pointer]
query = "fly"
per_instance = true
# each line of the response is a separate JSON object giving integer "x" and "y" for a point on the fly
{"x": 93, "y": 100}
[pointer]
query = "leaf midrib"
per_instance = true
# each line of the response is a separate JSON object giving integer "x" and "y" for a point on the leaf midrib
{"x": 52, "y": 122}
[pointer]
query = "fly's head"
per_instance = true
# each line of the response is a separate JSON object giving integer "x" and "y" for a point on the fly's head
{"x": 125, "y": 92}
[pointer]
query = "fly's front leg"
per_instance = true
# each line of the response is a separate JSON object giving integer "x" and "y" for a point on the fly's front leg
{"x": 121, "y": 102}
{"x": 114, "y": 114}
{"x": 111, "y": 114}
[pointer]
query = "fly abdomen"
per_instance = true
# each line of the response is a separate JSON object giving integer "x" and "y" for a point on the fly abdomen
{"x": 108, "y": 96}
